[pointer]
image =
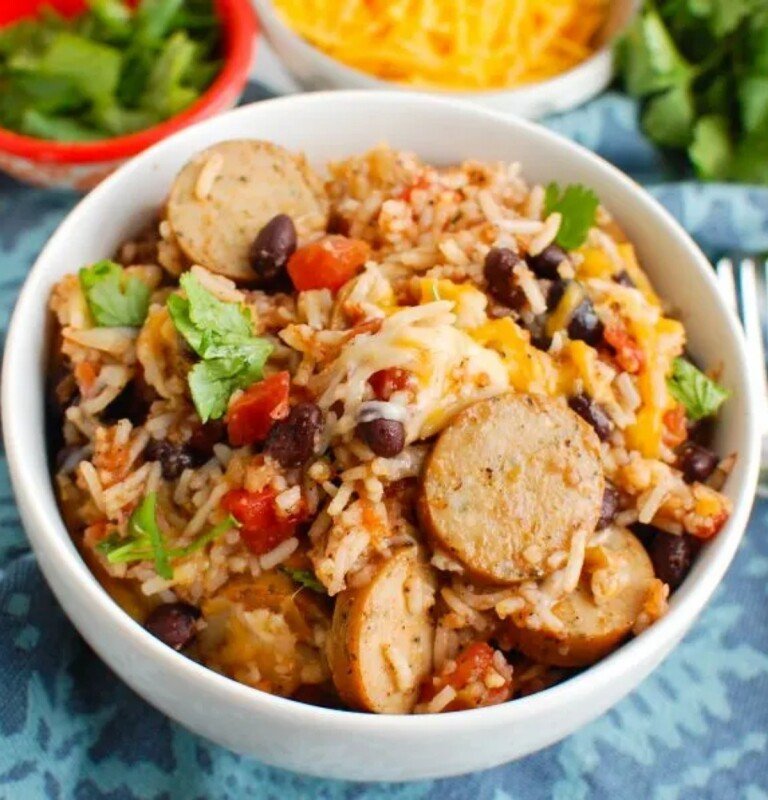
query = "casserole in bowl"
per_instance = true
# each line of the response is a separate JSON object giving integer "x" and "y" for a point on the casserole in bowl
{"x": 326, "y": 741}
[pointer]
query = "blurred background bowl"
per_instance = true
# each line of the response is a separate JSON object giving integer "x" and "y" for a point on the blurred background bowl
{"x": 313, "y": 69}
{"x": 82, "y": 165}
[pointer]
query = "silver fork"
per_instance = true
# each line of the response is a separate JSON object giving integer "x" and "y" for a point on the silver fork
{"x": 744, "y": 284}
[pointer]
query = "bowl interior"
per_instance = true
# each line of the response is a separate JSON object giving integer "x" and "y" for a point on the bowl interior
{"x": 310, "y": 123}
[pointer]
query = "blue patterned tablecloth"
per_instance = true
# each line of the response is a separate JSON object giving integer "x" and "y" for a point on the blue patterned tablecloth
{"x": 696, "y": 729}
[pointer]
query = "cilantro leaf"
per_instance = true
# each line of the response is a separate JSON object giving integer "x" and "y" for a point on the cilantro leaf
{"x": 711, "y": 148}
{"x": 669, "y": 117}
{"x": 578, "y": 207}
{"x": 225, "y": 525}
{"x": 145, "y": 540}
{"x": 207, "y": 312}
{"x": 753, "y": 98}
{"x": 305, "y": 578}
{"x": 143, "y": 523}
{"x": 699, "y": 394}
{"x": 222, "y": 335}
{"x": 650, "y": 59}
{"x": 212, "y": 383}
{"x": 114, "y": 300}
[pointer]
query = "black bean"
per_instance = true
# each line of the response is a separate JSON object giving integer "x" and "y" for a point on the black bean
{"x": 609, "y": 507}
{"x": 672, "y": 556}
{"x": 173, "y": 458}
{"x": 132, "y": 404}
{"x": 337, "y": 224}
{"x": 624, "y": 279}
{"x": 498, "y": 270}
{"x": 201, "y": 442}
{"x": 545, "y": 264}
{"x": 696, "y": 462}
{"x": 645, "y": 533}
{"x": 541, "y": 342}
{"x": 64, "y": 390}
{"x": 292, "y": 441}
{"x": 585, "y": 324}
{"x": 554, "y": 295}
{"x": 173, "y": 624}
{"x": 537, "y": 327}
{"x": 271, "y": 250}
{"x": 701, "y": 431}
{"x": 592, "y": 413}
{"x": 386, "y": 437}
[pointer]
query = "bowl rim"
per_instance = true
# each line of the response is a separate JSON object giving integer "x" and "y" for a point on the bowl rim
{"x": 50, "y": 535}
{"x": 240, "y": 25}
{"x": 552, "y": 85}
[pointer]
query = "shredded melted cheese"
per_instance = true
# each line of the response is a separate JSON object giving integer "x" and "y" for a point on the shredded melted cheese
{"x": 453, "y": 44}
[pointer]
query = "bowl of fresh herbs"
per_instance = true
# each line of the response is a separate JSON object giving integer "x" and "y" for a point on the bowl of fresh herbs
{"x": 86, "y": 84}
{"x": 700, "y": 70}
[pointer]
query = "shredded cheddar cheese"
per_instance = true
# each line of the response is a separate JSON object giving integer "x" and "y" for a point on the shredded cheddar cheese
{"x": 451, "y": 44}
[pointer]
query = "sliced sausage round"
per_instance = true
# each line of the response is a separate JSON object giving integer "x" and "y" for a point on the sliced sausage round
{"x": 224, "y": 196}
{"x": 380, "y": 646}
{"x": 594, "y": 626}
{"x": 509, "y": 483}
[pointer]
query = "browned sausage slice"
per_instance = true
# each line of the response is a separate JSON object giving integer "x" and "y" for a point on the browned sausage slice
{"x": 225, "y": 195}
{"x": 595, "y": 623}
{"x": 380, "y": 646}
{"x": 509, "y": 483}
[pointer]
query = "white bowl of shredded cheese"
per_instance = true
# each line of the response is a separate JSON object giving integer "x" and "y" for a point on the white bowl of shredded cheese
{"x": 320, "y": 51}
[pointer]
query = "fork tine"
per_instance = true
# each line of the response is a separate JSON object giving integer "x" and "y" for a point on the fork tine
{"x": 753, "y": 311}
{"x": 726, "y": 278}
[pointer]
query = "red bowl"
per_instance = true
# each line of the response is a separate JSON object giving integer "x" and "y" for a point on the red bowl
{"x": 81, "y": 165}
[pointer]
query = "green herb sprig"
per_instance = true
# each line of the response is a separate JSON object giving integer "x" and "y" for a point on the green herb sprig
{"x": 698, "y": 393}
{"x": 145, "y": 540}
{"x": 701, "y": 70}
{"x": 578, "y": 207}
{"x": 305, "y": 579}
{"x": 222, "y": 335}
{"x": 114, "y": 299}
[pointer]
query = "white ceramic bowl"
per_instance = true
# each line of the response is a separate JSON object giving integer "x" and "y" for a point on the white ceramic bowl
{"x": 312, "y": 69}
{"x": 315, "y": 740}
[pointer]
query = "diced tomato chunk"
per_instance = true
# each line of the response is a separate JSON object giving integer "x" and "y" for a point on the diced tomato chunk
{"x": 328, "y": 263}
{"x": 676, "y": 431}
{"x": 262, "y": 529}
{"x": 254, "y": 413}
{"x": 629, "y": 355}
{"x": 386, "y": 382}
{"x": 475, "y": 679}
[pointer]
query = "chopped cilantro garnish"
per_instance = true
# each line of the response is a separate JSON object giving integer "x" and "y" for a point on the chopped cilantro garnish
{"x": 117, "y": 68}
{"x": 114, "y": 299}
{"x": 222, "y": 335}
{"x": 699, "y": 394}
{"x": 225, "y": 525}
{"x": 578, "y": 206}
{"x": 145, "y": 541}
{"x": 304, "y": 578}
